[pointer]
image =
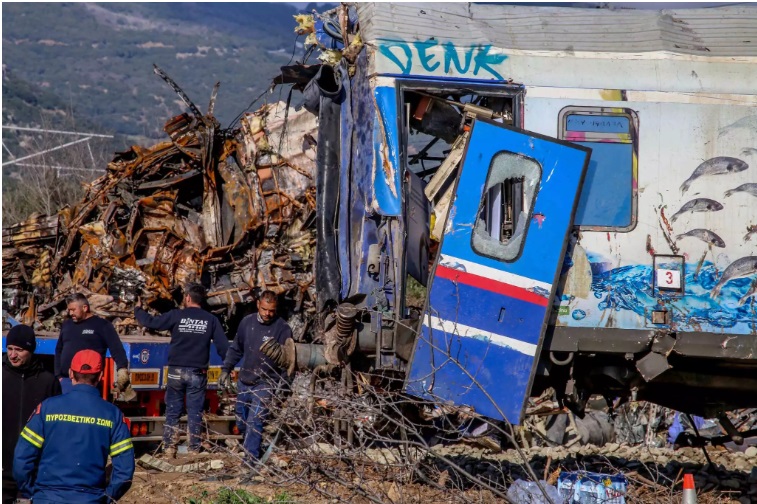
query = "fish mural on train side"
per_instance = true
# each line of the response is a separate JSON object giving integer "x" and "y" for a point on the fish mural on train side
{"x": 748, "y": 188}
{"x": 698, "y": 205}
{"x": 713, "y": 298}
{"x": 716, "y": 295}
{"x": 749, "y": 123}
{"x": 721, "y": 165}
{"x": 739, "y": 268}
{"x": 705, "y": 235}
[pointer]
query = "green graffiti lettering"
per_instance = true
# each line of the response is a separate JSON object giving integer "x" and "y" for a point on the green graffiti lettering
{"x": 386, "y": 50}
{"x": 424, "y": 58}
{"x": 450, "y": 56}
{"x": 483, "y": 61}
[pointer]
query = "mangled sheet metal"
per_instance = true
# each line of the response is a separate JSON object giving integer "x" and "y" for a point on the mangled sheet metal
{"x": 230, "y": 208}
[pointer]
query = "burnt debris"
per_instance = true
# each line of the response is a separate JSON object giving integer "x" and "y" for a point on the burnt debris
{"x": 233, "y": 209}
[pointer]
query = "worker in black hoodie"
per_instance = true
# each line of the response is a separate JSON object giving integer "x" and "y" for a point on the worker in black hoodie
{"x": 86, "y": 331}
{"x": 25, "y": 384}
{"x": 192, "y": 329}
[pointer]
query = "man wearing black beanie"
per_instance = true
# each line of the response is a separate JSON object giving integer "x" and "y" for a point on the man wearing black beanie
{"x": 25, "y": 384}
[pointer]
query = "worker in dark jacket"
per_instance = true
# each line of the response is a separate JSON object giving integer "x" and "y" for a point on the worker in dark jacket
{"x": 259, "y": 376}
{"x": 25, "y": 384}
{"x": 64, "y": 449}
{"x": 85, "y": 331}
{"x": 192, "y": 330}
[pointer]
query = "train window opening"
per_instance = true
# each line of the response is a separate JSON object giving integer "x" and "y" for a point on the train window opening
{"x": 433, "y": 138}
{"x": 433, "y": 119}
{"x": 608, "y": 196}
{"x": 506, "y": 204}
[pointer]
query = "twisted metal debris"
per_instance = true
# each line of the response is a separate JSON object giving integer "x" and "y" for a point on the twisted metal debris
{"x": 230, "y": 208}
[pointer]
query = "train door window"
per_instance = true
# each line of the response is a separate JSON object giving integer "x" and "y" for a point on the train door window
{"x": 506, "y": 205}
{"x": 608, "y": 199}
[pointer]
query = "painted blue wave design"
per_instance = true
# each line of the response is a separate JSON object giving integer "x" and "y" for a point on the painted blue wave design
{"x": 578, "y": 314}
{"x": 630, "y": 288}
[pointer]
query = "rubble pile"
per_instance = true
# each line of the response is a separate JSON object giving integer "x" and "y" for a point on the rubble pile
{"x": 232, "y": 209}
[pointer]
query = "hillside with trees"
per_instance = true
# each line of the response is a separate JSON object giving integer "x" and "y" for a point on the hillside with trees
{"x": 99, "y": 57}
{"x": 89, "y": 67}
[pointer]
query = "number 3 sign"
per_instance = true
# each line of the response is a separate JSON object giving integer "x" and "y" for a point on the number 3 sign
{"x": 668, "y": 279}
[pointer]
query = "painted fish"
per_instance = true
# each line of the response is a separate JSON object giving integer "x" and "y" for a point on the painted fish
{"x": 750, "y": 230}
{"x": 716, "y": 166}
{"x": 705, "y": 235}
{"x": 749, "y": 151}
{"x": 739, "y": 268}
{"x": 698, "y": 205}
{"x": 748, "y": 122}
{"x": 749, "y": 293}
{"x": 749, "y": 188}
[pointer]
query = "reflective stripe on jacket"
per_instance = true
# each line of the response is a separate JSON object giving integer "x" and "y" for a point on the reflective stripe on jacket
{"x": 64, "y": 448}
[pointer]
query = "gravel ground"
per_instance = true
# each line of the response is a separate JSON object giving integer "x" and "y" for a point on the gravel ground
{"x": 654, "y": 474}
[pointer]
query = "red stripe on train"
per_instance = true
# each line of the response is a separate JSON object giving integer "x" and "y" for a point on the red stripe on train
{"x": 491, "y": 285}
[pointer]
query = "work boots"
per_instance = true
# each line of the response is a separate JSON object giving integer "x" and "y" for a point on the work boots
{"x": 169, "y": 451}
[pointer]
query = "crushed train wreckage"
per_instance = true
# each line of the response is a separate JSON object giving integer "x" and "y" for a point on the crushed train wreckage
{"x": 233, "y": 209}
{"x": 243, "y": 209}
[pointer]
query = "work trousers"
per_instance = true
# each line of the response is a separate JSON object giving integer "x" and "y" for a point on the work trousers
{"x": 251, "y": 412}
{"x": 192, "y": 383}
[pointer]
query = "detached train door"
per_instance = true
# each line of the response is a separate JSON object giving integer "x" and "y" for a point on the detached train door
{"x": 494, "y": 279}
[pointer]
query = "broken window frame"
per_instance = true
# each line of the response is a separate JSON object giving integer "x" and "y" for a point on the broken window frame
{"x": 527, "y": 200}
{"x": 515, "y": 92}
{"x": 595, "y": 137}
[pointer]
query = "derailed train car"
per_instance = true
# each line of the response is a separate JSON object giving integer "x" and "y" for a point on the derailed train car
{"x": 574, "y": 188}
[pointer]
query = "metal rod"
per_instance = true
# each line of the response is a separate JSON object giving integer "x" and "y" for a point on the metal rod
{"x": 91, "y": 156}
{"x": 429, "y": 171}
{"x": 696, "y": 431}
{"x": 8, "y": 151}
{"x": 60, "y": 132}
{"x": 730, "y": 429}
{"x": 57, "y": 167}
{"x": 69, "y": 144}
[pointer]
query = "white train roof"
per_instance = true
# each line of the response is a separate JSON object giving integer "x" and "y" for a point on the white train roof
{"x": 716, "y": 31}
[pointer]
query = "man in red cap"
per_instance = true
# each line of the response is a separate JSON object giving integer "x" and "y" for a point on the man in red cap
{"x": 63, "y": 451}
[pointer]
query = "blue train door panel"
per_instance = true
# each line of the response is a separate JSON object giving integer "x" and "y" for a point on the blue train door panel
{"x": 495, "y": 276}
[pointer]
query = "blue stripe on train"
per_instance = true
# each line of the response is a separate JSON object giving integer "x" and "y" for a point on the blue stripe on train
{"x": 504, "y": 371}
{"x": 481, "y": 309}
{"x": 156, "y": 352}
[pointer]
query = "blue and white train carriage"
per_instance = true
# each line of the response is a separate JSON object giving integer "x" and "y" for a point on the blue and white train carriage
{"x": 592, "y": 175}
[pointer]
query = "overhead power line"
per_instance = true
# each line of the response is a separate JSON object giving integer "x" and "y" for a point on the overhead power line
{"x": 46, "y": 151}
{"x": 86, "y": 138}
{"x": 60, "y": 132}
